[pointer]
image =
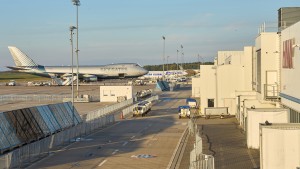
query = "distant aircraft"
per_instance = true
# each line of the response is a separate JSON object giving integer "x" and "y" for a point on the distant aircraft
{"x": 111, "y": 71}
{"x": 168, "y": 74}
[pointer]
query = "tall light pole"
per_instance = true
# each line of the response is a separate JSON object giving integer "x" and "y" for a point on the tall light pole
{"x": 168, "y": 63}
{"x": 182, "y": 56}
{"x": 199, "y": 60}
{"x": 77, "y": 4}
{"x": 72, "y": 65}
{"x": 177, "y": 58}
{"x": 164, "y": 38}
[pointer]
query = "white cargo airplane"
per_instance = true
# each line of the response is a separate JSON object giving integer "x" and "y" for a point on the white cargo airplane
{"x": 112, "y": 71}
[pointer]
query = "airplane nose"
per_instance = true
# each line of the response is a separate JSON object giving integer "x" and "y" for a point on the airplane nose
{"x": 144, "y": 71}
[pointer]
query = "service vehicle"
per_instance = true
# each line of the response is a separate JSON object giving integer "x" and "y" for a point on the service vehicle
{"x": 184, "y": 112}
{"x": 142, "y": 108}
{"x": 11, "y": 83}
{"x": 191, "y": 102}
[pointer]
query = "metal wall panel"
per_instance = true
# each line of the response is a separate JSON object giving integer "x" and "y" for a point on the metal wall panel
{"x": 64, "y": 114}
{"x": 24, "y": 127}
{"x": 23, "y": 137}
{"x": 69, "y": 105}
{"x": 72, "y": 118}
{"x": 8, "y": 130}
{"x": 58, "y": 116}
{"x": 33, "y": 123}
{"x": 7, "y": 136}
{"x": 51, "y": 118}
{"x": 39, "y": 119}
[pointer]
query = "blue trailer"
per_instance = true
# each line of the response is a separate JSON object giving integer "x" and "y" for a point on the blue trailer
{"x": 191, "y": 102}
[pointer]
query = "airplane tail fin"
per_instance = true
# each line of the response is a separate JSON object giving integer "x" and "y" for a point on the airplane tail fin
{"x": 20, "y": 58}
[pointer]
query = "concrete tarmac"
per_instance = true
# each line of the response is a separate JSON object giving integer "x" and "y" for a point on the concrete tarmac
{"x": 140, "y": 142}
{"x": 82, "y": 108}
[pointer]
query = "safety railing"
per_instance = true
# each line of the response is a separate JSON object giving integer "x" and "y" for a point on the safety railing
{"x": 198, "y": 160}
{"x": 203, "y": 161}
{"x": 271, "y": 91}
{"x": 28, "y": 98}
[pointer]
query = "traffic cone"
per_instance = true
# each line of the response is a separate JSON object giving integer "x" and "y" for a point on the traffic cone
{"x": 121, "y": 115}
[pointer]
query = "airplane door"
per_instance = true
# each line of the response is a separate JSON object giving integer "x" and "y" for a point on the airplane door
{"x": 121, "y": 75}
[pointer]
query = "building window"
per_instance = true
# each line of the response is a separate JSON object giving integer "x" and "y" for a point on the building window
{"x": 210, "y": 102}
{"x": 105, "y": 92}
{"x": 112, "y": 93}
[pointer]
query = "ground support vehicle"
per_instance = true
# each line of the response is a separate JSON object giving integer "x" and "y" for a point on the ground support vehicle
{"x": 184, "y": 112}
{"x": 191, "y": 102}
{"x": 142, "y": 108}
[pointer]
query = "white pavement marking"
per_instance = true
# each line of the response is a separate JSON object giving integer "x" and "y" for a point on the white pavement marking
{"x": 132, "y": 137}
{"x": 114, "y": 152}
{"x": 124, "y": 144}
{"x": 104, "y": 161}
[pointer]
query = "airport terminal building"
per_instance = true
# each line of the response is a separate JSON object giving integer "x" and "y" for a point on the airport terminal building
{"x": 259, "y": 86}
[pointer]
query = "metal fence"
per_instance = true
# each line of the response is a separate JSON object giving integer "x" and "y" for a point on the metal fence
{"x": 40, "y": 98}
{"x": 28, "y": 154}
{"x": 203, "y": 161}
{"x": 108, "y": 109}
{"x": 198, "y": 160}
{"x": 28, "y": 98}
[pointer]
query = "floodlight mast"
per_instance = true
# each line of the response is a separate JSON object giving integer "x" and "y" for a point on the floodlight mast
{"x": 77, "y": 4}
{"x": 164, "y": 39}
{"x": 72, "y": 28}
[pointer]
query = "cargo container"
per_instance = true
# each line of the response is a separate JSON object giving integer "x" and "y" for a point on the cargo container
{"x": 256, "y": 116}
{"x": 254, "y": 104}
{"x": 279, "y": 146}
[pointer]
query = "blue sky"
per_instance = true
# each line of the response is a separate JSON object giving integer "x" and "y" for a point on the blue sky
{"x": 119, "y": 31}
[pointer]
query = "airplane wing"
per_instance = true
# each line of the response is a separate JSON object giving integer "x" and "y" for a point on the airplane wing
{"x": 17, "y": 68}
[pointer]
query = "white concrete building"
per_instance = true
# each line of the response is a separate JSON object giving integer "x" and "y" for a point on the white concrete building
{"x": 266, "y": 70}
{"x": 207, "y": 84}
{"x": 290, "y": 70}
{"x": 196, "y": 87}
{"x": 231, "y": 72}
{"x": 113, "y": 93}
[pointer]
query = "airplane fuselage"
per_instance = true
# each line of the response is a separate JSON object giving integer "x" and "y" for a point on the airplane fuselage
{"x": 126, "y": 70}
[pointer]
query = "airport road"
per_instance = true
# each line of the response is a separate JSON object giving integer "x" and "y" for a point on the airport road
{"x": 140, "y": 142}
